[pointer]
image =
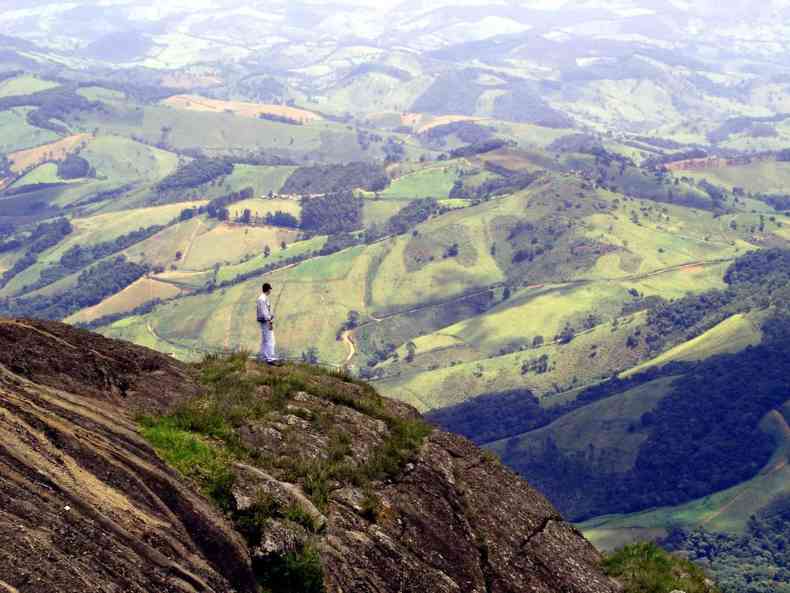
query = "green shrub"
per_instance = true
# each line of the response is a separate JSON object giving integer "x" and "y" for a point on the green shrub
{"x": 195, "y": 458}
{"x": 294, "y": 572}
{"x": 646, "y": 568}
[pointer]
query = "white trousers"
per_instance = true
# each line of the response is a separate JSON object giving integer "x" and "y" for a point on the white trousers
{"x": 267, "y": 344}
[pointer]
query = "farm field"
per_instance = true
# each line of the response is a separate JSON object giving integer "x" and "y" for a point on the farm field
{"x": 232, "y": 243}
{"x": 766, "y": 176}
{"x": 18, "y": 134}
{"x": 241, "y": 108}
{"x": 93, "y": 230}
{"x": 25, "y": 85}
{"x": 225, "y": 318}
{"x": 57, "y": 150}
{"x": 143, "y": 291}
{"x": 431, "y": 182}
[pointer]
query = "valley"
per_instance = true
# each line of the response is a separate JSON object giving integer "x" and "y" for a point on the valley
{"x": 563, "y": 237}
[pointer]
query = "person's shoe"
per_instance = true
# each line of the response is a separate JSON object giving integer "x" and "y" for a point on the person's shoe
{"x": 274, "y": 363}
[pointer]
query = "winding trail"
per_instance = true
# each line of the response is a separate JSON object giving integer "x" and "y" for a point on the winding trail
{"x": 191, "y": 241}
{"x": 348, "y": 340}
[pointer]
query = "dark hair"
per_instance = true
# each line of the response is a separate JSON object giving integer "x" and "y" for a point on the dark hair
{"x": 266, "y": 287}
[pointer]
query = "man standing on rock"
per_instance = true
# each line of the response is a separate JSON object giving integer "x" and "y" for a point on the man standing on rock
{"x": 265, "y": 317}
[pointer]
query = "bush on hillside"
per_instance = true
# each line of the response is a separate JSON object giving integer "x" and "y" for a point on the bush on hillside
{"x": 73, "y": 167}
{"x": 282, "y": 219}
{"x": 646, "y": 568}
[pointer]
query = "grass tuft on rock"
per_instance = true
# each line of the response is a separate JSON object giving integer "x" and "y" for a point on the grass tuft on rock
{"x": 646, "y": 568}
{"x": 201, "y": 439}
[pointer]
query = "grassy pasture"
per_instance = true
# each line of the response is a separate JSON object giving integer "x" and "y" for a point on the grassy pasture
{"x": 20, "y": 135}
{"x": 46, "y": 173}
{"x": 529, "y": 135}
{"x": 161, "y": 249}
{"x": 229, "y": 272}
{"x": 587, "y": 359}
{"x": 603, "y": 426}
{"x": 54, "y": 151}
{"x": 728, "y": 337}
{"x": 262, "y": 179}
{"x": 230, "y": 243}
{"x": 25, "y": 85}
{"x": 261, "y": 207}
{"x": 123, "y": 160}
{"x": 435, "y": 181}
{"x": 415, "y": 270}
{"x": 141, "y": 292}
{"x": 530, "y": 313}
{"x": 448, "y": 358}
{"x": 241, "y": 108}
{"x": 653, "y": 243}
{"x": 186, "y": 280}
{"x": 380, "y": 211}
{"x": 223, "y": 133}
{"x": 98, "y": 93}
{"x": 760, "y": 176}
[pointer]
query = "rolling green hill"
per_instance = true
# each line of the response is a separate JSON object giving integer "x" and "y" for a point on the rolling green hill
{"x": 484, "y": 247}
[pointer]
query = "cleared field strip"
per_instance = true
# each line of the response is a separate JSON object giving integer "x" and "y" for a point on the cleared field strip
{"x": 54, "y": 151}
{"x": 731, "y": 335}
{"x": 241, "y": 108}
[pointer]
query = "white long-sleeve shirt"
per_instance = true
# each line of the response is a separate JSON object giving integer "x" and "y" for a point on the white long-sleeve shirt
{"x": 264, "y": 309}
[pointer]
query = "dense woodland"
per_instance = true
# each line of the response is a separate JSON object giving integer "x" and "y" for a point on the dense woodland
{"x": 755, "y": 562}
{"x": 332, "y": 213}
{"x": 703, "y": 437}
{"x": 465, "y": 131}
{"x": 196, "y": 173}
{"x": 320, "y": 179}
{"x": 78, "y": 257}
{"x": 411, "y": 215}
{"x": 42, "y": 237}
{"x": 218, "y": 207}
{"x": 93, "y": 285}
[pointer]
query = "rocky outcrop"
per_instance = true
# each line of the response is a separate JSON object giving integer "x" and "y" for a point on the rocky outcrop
{"x": 457, "y": 521}
{"x": 86, "y": 505}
